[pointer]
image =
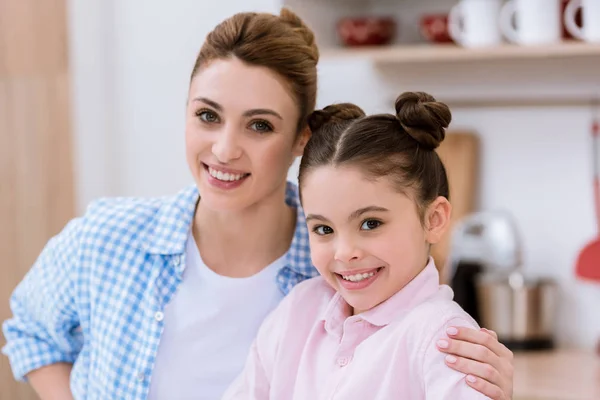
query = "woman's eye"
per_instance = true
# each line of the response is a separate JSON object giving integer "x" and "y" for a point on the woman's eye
{"x": 322, "y": 230}
{"x": 261, "y": 126}
{"x": 207, "y": 116}
{"x": 370, "y": 224}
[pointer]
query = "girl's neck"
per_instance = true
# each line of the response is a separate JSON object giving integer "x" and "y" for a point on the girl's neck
{"x": 241, "y": 244}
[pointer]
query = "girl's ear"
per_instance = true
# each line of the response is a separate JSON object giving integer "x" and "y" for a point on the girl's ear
{"x": 301, "y": 141}
{"x": 437, "y": 219}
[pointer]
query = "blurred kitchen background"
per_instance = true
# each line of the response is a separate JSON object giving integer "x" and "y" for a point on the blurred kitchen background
{"x": 92, "y": 101}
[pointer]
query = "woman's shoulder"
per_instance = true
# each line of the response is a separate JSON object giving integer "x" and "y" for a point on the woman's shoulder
{"x": 145, "y": 219}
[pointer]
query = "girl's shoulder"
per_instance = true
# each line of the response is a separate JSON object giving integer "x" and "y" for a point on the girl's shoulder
{"x": 312, "y": 296}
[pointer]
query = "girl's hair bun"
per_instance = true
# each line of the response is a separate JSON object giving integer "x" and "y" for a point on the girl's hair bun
{"x": 423, "y": 118}
{"x": 334, "y": 114}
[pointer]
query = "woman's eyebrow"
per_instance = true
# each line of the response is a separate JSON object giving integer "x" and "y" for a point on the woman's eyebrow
{"x": 249, "y": 113}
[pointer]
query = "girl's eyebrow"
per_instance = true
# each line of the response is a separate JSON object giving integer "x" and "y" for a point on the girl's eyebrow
{"x": 318, "y": 217}
{"x": 355, "y": 214}
{"x": 361, "y": 211}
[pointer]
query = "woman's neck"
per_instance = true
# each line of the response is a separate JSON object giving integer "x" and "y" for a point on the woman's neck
{"x": 241, "y": 244}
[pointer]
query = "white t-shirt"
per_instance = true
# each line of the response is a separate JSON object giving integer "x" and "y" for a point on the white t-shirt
{"x": 210, "y": 325}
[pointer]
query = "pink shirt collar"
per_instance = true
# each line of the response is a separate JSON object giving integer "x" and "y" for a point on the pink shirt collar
{"x": 423, "y": 286}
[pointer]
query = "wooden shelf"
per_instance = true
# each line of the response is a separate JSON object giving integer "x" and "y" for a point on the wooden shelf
{"x": 414, "y": 54}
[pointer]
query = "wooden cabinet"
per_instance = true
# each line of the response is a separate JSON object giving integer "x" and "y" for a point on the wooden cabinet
{"x": 36, "y": 173}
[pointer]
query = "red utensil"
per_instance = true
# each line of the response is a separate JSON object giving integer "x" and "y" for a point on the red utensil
{"x": 588, "y": 262}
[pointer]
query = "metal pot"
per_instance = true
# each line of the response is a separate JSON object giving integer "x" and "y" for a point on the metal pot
{"x": 521, "y": 312}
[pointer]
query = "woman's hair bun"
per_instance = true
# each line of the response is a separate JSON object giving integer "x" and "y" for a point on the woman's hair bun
{"x": 333, "y": 114}
{"x": 301, "y": 29}
{"x": 423, "y": 118}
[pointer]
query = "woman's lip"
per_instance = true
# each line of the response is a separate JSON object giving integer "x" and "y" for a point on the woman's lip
{"x": 358, "y": 271}
{"x": 226, "y": 170}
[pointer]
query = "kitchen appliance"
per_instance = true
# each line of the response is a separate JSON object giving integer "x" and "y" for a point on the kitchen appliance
{"x": 520, "y": 311}
{"x": 488, "y": 282}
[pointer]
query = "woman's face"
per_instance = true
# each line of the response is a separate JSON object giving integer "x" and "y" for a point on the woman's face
{"x": 240, "y": 134}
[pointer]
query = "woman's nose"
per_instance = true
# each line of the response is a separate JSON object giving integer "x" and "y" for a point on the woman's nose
{"x": 226, "y": 147}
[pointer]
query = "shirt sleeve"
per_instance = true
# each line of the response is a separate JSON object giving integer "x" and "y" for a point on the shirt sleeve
{"x": 442, "y": 382}
{"x": 255, "y": 380}
{"x": 43, "y": 327}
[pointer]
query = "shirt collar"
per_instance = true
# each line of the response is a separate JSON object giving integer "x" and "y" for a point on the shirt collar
{"x": 298, "y": 256}
{"x": 169, "y": 229}
{"x": 423, "y": 286}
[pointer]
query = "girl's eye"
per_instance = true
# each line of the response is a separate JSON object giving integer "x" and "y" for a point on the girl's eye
{"x": 207, "y": 116}
{"x": 261, "y": 126}
{"x": 322, "y": 230}
{"x": 370, "y": 224}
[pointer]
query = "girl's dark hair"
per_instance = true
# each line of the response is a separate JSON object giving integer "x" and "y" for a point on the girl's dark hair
{"x": 399, "y": 147}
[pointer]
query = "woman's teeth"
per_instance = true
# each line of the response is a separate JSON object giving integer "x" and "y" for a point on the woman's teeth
{"x": 225, "y": 176}
{"x": 358, "y": 277}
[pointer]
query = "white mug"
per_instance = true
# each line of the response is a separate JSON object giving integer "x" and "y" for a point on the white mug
{"x": 474, "y": 23}
{"x": 590, "y": 32}
{"x": 537, "y": 21}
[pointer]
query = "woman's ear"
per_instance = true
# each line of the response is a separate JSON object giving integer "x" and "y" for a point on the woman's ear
{"x": 301, "y": 141}
{"x": 437, "y": 219}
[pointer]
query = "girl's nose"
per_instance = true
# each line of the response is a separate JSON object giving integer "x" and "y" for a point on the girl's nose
{"x": 347, "y": 250}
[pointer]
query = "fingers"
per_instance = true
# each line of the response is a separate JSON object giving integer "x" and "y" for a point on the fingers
{"x": 468, "y": 350}
{"x": 483, "y": 338}
{"x": 492, "y": 333}
{"x": 474, "y": 368}
{"x": 490, "y": 390}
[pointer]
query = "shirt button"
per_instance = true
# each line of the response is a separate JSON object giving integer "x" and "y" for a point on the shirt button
{"x": 159, "y": 316}
{"x": 176, "y": 260}
{"x": 140, "y": 377}
{"x": 342, "y": 362}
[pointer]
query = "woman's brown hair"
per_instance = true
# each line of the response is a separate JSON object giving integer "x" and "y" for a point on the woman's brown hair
{"x": 399, "y": 147}
{"x": 282, "y": 43}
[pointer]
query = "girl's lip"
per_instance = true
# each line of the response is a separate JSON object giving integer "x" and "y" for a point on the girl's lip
{"x": 226, "y": 170}
{"x": 358, "y": 271}
{"x": 362, "y": 284}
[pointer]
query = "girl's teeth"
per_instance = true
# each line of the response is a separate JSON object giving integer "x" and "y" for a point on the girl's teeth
{"x": 225, "y": 176}
{"x": 357, "y": 277}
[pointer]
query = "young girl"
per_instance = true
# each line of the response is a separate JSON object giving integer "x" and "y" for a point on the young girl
{"x": 375, "y": 194}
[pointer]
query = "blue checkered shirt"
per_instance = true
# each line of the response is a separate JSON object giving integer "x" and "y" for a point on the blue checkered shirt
{"x": 96, "y": 293}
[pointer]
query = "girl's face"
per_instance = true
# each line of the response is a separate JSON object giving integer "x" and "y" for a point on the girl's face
{"x": 366, "y": 239}
{"x": 240, "y": 134}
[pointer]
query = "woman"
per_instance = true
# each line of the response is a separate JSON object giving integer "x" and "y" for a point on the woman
{"x": 161, "y": 298}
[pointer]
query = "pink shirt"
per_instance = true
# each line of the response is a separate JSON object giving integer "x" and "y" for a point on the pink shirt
{"x": 388, "y": 352}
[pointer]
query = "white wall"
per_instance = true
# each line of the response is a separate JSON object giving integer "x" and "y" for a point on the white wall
{"x": 131, "y": 62}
